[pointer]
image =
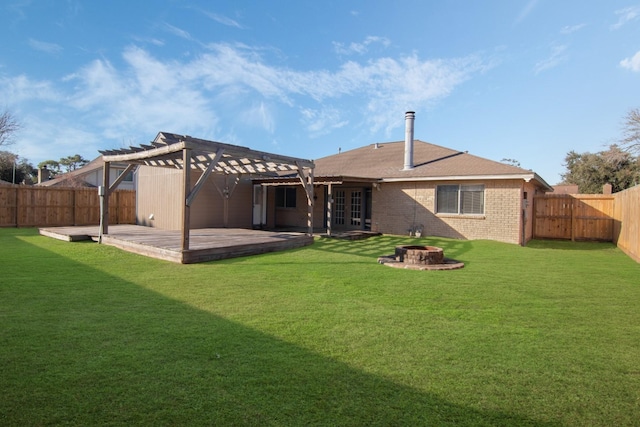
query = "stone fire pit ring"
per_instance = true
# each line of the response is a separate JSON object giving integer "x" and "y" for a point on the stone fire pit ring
{"x": 418, "y": 257}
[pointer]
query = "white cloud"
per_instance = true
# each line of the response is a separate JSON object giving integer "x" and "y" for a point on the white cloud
{"x": 146, "y": 97}
{"x": 148, "y": 40}
{"x": 632, "y": 63}
{"x": 626, "y": 15}
{"x": 224, "y": 20}
{"x": 526, "y": 11}
{"x": 359, "y": 48}
{"x": 178, "y": 31}
{"x": 226, "y": 88}
{"x": 386, "y": 85}
{"x": 322, "y": 121}
{"x": 569, "y": 29}
{"x": 50, "y": 48}
{"x": 556, "y": 58}
{"x": 260, "y": 116}
{"x": 20, "y": 89}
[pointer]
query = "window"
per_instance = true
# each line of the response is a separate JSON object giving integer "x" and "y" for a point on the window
{"x": 356, "y": 207}
{"x": 460, "y": 199}
{"x": 285, "y": 197}
{"x": 339, "y": 207}
{"x": 128, "y": 177}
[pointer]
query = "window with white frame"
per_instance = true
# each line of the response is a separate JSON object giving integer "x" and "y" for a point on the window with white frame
{"x": 339, "y": 207}
{"x": 460, "y": 199}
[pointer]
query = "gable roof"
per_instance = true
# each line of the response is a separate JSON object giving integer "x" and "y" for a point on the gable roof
{"x": 385, "y": 162}
{"x": 73, "y": 178}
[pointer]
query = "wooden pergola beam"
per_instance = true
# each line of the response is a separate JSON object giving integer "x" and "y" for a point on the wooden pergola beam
{"x": 203, "y": 178}
{"x": 186, "y": 153}
{"x": 186, "y": 209}
{"x": 123, "y": 175}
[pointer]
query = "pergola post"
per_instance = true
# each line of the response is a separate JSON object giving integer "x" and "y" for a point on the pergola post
{"x": 310, "y": 204}
{"x": 329, "y": 207}
{"x": 186, "y": 209}
{"x": 307, "y": 184}
{"x": 184, "y": 152}
{"x": 104, "y": 194}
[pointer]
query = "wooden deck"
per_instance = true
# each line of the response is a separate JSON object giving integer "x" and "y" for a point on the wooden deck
{"x": 205, "y": 244}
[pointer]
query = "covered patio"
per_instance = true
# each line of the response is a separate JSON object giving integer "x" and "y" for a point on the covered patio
{"x": 196, "y": 160}
{"x": 206, "y": 244}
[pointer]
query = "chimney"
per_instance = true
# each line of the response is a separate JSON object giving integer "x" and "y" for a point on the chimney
{"x": 409, "y": 117}
{"x": 43, "y": 174}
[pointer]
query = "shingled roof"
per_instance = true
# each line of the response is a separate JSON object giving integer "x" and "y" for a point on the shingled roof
{"x": 385, "y": 161}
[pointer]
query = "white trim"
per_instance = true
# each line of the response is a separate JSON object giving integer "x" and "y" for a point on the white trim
{"x": 525, "y": 177}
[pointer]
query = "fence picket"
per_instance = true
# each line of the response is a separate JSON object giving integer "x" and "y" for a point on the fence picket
{"x": 27, "y": 206}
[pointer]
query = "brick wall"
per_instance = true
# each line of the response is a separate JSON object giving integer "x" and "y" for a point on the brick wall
{"x": 296, "y": 217}
{"x": 397, "y": 207}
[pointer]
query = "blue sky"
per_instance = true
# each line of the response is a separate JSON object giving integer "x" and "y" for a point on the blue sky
{"x": 527, "y": 80}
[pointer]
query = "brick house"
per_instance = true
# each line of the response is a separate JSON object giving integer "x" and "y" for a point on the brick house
{"x": 404, "y": 187}
{"x": 409, "y": 187}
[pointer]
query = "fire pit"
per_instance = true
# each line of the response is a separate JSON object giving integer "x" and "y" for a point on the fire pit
{"x": 418, "y": 257}
{"x": 426, "y": 255}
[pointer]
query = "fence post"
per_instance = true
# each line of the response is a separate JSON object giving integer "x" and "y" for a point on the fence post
{"x": 573, "y": 220}
{"x": 17, "y": 207}
{"x": 74, "y": 206}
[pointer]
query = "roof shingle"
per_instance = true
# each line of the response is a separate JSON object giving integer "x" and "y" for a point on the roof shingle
{"x": 386, "y": 161}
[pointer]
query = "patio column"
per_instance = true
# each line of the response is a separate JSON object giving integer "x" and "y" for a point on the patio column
{"x": 306, "y": 178}
{"x": 186, "y": 210}
{"x": 329, "y": 207}
{"x": 104, "y": 194}
{"x": 310, "y": 204}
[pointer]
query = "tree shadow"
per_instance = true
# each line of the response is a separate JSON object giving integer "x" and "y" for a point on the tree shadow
{"x": 377, "y": 246}
{"x": 569, "y": 245}
{"x": 107, "y": 351}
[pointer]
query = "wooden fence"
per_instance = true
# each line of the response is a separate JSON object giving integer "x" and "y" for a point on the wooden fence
{"x": 626, "y": 228}
{"x": 612, "y": 218}
{"x": 573, "y": 217}
{"x": 27, "y": 206}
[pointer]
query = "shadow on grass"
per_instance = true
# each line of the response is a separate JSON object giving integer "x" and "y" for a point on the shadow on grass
{"x": 95, "y": 349}
{"x": 374, "y": 247}
{"x": 569, "y": 245}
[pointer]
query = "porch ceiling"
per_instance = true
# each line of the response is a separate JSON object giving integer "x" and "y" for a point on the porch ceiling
{"x": 167, "y": 151}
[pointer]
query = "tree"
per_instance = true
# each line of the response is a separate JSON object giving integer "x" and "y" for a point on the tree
{"x": 512, "y": 162}
{"x": 52, "y": 165}
{"x": 15, "y": 169}
{"x": 71, "y": 163}
{"x": 8, "y": 127}
{"x": 590, "y": 171}
{"x": 631, "y": 131}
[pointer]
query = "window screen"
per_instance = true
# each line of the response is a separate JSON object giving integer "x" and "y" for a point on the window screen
{"x": 460, "y": 199}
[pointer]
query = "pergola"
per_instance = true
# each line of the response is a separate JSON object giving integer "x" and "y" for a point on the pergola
{"x": 186, "y": 153}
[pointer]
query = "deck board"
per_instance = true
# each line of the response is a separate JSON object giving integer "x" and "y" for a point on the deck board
{"x": 205, "y": 244}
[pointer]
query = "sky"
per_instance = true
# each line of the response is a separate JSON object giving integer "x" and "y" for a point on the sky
{"x": 525, "y": 80}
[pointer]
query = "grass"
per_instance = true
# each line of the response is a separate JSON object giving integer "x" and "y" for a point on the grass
{"x": 544, "y": 335}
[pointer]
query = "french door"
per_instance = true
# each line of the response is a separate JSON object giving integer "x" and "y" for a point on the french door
{"x": 350, "y": 208}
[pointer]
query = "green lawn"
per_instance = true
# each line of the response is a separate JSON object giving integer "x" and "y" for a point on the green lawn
{"x": 543, "y": 335}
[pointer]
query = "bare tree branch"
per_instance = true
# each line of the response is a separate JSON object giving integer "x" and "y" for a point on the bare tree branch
{"x": 8, "y": 127}
{"x": 631, "y": 131}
